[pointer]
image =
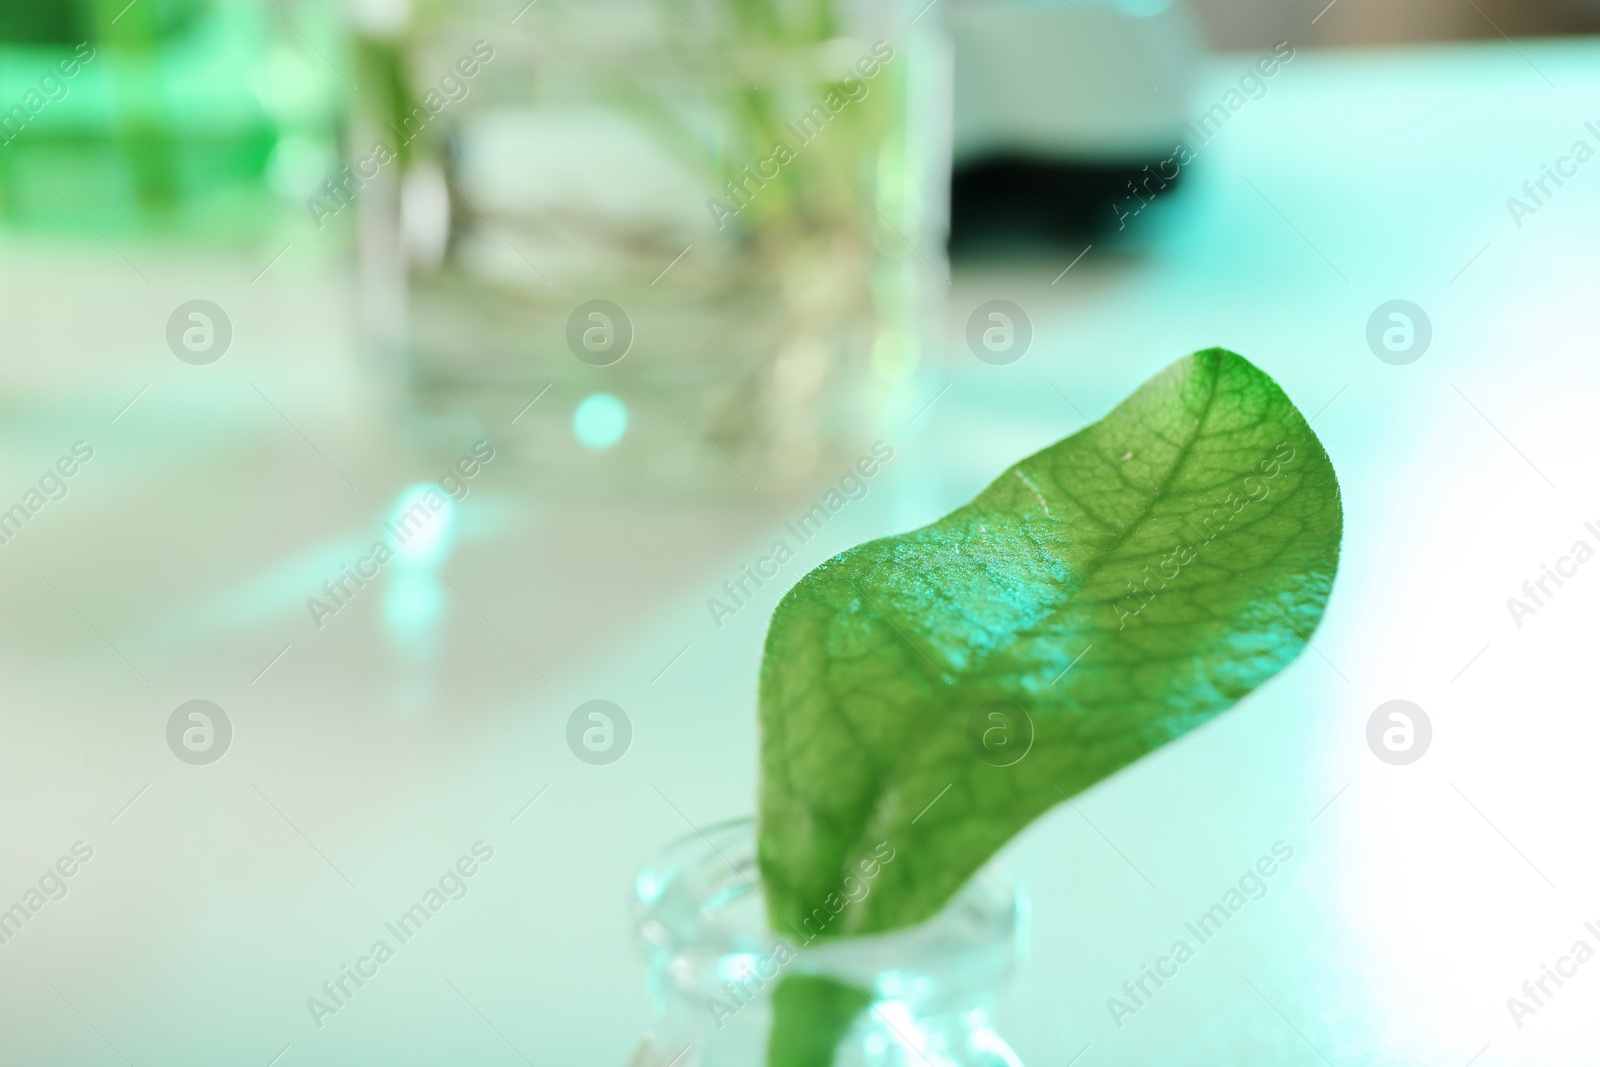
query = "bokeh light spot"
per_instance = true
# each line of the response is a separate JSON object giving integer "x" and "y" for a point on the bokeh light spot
{"x": 422, "y": 522}
{"x": 600, "y": 421}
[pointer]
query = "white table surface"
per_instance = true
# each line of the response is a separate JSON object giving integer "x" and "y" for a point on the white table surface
{"x": 1419, "y": 897}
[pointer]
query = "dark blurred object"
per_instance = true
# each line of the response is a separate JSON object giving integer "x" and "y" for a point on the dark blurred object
{"x": 1005, "y": 201}
{"x": 1061, "y": 108}
{"x": 1250, "y": 24}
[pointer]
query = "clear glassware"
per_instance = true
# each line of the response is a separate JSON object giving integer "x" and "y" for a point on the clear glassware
{"x": 711, "y": 229}
{"x": 701, "y": 920}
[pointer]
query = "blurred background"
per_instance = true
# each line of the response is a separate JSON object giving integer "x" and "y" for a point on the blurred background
{"x": 590, "y": 300}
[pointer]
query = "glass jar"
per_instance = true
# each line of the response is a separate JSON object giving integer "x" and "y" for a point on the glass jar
{"x": 654, "y": 242}
{"x": 712, "y": 966}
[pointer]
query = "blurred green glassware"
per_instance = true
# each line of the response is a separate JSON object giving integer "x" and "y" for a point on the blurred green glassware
{"x": 201, "y": 119}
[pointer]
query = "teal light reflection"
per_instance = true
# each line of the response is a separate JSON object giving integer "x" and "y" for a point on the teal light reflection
{"x": 1144, "y": 8}
{"x": 600, "y": 421}
{"x": 414, "y": 602}
{"x": 422, "y": 524}
{"x": 421, "y": 529}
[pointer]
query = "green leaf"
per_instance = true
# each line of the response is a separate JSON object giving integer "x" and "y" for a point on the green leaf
{"x": 810, "y": 1016}
{"x": 1106, "y": 595}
